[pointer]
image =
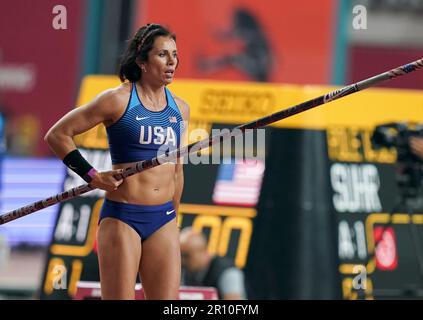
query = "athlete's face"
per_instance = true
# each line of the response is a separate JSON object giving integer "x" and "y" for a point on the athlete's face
{"x": 162, "y": 61}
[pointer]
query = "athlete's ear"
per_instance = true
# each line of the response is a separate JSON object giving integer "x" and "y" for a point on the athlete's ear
{"x": 139, "y": 62}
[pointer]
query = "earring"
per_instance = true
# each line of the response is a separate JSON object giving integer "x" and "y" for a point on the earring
{"x": 143, "y": 69}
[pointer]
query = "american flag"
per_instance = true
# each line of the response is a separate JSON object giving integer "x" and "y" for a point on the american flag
{"x": 239, "y": 183}
{"x": 172, "y": 119}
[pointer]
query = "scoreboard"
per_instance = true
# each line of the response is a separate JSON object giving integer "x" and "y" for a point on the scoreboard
{"x": 364, "y": 195}
{"x": 309, "y": 228}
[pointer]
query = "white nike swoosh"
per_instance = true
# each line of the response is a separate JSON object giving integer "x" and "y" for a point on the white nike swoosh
{"x": 169, "y": 212}
{"x": 141, "y": 118}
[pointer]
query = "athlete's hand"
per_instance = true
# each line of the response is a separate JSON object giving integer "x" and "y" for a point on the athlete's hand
{"x": 106, "y": 180}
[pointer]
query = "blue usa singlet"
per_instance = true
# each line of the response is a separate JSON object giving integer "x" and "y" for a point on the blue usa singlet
{"x": 140, "y": 133}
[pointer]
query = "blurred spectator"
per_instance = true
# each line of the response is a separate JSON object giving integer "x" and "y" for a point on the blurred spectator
{"x": 417, "y": 146}
{"x": 19, "y": 134}
{"x": 3, "y": 123}
{"x": 23, "y": 135}
{"x": 2, "y": 133}
{"x": 200, "y": 268}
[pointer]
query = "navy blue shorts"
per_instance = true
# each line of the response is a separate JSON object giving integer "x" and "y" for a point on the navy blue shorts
{"x": 145, "y": 220}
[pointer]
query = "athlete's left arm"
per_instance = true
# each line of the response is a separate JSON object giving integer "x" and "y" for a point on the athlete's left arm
{"x": 179, "y": 172}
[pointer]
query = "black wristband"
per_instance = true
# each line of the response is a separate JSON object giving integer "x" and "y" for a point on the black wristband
{"x": 76, "y": 162}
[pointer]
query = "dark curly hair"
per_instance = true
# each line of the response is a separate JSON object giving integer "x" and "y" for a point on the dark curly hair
{"x": 139, "y": 47}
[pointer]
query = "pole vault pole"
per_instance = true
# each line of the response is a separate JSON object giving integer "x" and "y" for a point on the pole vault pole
{"x": 194, "y": 147}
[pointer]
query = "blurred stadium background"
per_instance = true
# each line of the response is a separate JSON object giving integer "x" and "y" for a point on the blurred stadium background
{"x": 324, "y": 192}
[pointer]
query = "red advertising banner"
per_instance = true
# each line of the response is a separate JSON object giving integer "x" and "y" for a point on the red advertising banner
{"x": 366, "y": 60}
{"x": 272, "y": 40}
{"x": 39, "y": 66}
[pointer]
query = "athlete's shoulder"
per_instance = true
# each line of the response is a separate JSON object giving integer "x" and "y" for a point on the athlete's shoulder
{"x": 115, "y": 95}
{"x": 110, "y": 103}
{"x": 183, "y": 106}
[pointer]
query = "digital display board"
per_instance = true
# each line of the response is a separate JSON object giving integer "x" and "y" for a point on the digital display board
{"x": 23, "y": 181}
{"x": 364, "y": 192}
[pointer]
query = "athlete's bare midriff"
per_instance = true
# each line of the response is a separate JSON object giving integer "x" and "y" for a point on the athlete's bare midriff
{"x": 154, "y": 186}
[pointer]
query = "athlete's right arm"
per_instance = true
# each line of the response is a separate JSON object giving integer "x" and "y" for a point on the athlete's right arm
{"x": 101, "y": 109}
